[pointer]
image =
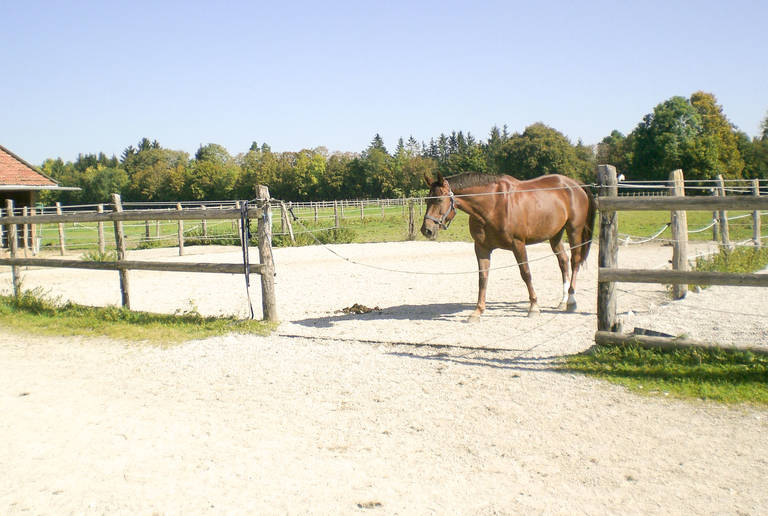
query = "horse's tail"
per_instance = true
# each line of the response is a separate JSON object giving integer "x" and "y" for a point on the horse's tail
{"x": 589, "y": 225}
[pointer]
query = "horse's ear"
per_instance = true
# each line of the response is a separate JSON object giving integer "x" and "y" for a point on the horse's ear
{"x": 427, "y": 179}
{"x": 440, "y": 178}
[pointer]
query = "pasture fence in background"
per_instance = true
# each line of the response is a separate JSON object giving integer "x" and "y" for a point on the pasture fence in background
{"x": 118, "y": 216}
{"x": 609, "y": 204}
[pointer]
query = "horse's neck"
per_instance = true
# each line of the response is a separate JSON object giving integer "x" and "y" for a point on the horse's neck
{"x": 477, "y": 200}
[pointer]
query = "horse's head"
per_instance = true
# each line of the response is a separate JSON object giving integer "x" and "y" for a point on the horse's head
{"x": 441, "y": 207}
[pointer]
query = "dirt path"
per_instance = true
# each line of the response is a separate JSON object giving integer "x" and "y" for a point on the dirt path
{"x": 403, "y": 410}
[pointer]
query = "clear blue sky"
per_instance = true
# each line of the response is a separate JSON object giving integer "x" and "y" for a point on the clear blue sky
{"x": 96, "y": 76}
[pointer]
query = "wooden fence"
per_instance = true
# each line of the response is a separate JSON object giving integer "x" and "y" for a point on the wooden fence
{"x": 608, "y": 331}
{"x": 262, "y": 213}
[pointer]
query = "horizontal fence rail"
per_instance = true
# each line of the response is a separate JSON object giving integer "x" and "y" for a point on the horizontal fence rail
{"x": 672, "y": 277}
{"x": 225, "y": 268}
{"x": 703, "y": 203}
{"x": 132, "y": 215}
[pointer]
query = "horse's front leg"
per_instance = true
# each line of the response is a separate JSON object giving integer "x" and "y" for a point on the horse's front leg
{"x": 483, "y": 266}
{"x": 525, "y": 272}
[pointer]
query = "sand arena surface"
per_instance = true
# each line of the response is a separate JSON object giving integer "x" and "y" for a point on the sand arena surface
{"x": 406, "y": 409}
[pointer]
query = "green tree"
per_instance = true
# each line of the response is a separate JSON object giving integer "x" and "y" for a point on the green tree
{"x": 718, "y": 134}
{"x": 541, "y": 150}
{"x": 692, "y": 135}
{"x": 153, "y": 172}
{"x": 615, "y": 150}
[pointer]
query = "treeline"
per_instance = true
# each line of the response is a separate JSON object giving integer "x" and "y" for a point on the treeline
{"x": 692, "y": 134}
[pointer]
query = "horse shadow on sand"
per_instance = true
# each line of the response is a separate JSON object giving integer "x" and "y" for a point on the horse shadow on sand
{"x": 510, "y": 359}
{"x": 453, "y": 312}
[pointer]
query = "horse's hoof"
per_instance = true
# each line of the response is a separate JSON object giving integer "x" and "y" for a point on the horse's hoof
{"x": 571, "y": 307}
{"x": 561, "y": 306}
{"x": 474, "y": 318}
{"x": 534, "y": 311}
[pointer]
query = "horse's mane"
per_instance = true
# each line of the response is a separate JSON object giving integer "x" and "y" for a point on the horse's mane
{"x": 469, "y": 179}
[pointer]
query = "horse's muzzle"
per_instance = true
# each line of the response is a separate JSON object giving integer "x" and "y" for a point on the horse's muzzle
{"x": 430, "y": 233}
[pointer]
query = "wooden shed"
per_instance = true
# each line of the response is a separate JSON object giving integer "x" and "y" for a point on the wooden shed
{"x": 22, "y": 183}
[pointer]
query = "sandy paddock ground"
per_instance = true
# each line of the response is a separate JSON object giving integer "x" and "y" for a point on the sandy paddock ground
{"x": 404, "y": 410}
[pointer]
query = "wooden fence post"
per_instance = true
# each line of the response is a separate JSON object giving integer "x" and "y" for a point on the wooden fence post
{"x": 285, "y": 222}
{"x": 264, "y": 232}
{"x": 33, "y": 236}
{"x": 723, "y": 216}
{"x": 181, "y": 231}
{"x": 100, "y": 230}
{"x": 362, "y": 211}
{"x": 715, "y": 221}
{"x": 336, "y": 220}
{"x": 121, "y": 253}
{"x": 679, "y": 222}
{"x": 2, "y": 232}
{"x": 204, "y": 224}
{"x": 756, "y": 230}
{"x": 411, "y": 220}
{"x": 609, "y": 250}
{"x": 25, "y": 231}
{"x": 236, "y": 228}
{"x": 315, "y": 212}
{"x": 13, "y": 243}
{"x": 62, "y": 246}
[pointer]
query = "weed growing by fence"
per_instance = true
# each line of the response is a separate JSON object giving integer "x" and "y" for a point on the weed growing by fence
{"x": 34, "y": 312}
{"x": 722, "y": 376}
{"x": 739, "y": 260}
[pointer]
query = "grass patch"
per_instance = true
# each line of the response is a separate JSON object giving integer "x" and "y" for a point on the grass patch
{"x": 724, "y": 376}
{"x": 32, "y": 312}
{"x": 739, "y": 260}
{"x": 717, "y": 375}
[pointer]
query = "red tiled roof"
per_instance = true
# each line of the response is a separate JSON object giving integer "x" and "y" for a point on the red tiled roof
{"x": 16, "y": 171}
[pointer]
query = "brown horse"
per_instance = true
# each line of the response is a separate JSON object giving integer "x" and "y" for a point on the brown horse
{"x": 507, "y": 213}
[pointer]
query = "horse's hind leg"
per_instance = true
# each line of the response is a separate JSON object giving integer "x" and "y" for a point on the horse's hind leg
{"x": 562, "y": 260}
{"x": 574, "y": 239}
{"x": 525, "y": 272}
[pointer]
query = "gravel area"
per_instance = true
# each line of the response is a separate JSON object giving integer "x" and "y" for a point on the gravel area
{"x": 406, "y": 409}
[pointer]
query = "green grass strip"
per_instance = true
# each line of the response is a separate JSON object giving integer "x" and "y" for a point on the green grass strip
{"x": 31, "y": 312}
{"x": 731, "y": 377}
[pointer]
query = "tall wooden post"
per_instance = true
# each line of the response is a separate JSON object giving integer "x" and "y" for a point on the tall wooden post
{"x": 679, "y": 224}
{"x": 62, "y": 245}
{"x": 25, "y": 231}
{"x": 100, "y": 230}
{"x": 362, "y": 211}
{"x": 121, "y": 253}
{"x": 204, "y": 224}
{"x": 336, "y": 220}
{"x": 411, "y": 220}
{"x": 285, "y": 222}
{"x": 723, "y": 216}
{"x": 13, "y": 243}
{"x": 315, "y": 212}
{"x": 264, "y": 232}
{"x": 715, "y": 221}
{"x": 33, "y": 236}
{"x": 180, "y": 231}
{"x": 756, "y": 236}
{"x": 608, "y": 256}
{"x": 2, "y": 231}
{"x": 236, "y": 226}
